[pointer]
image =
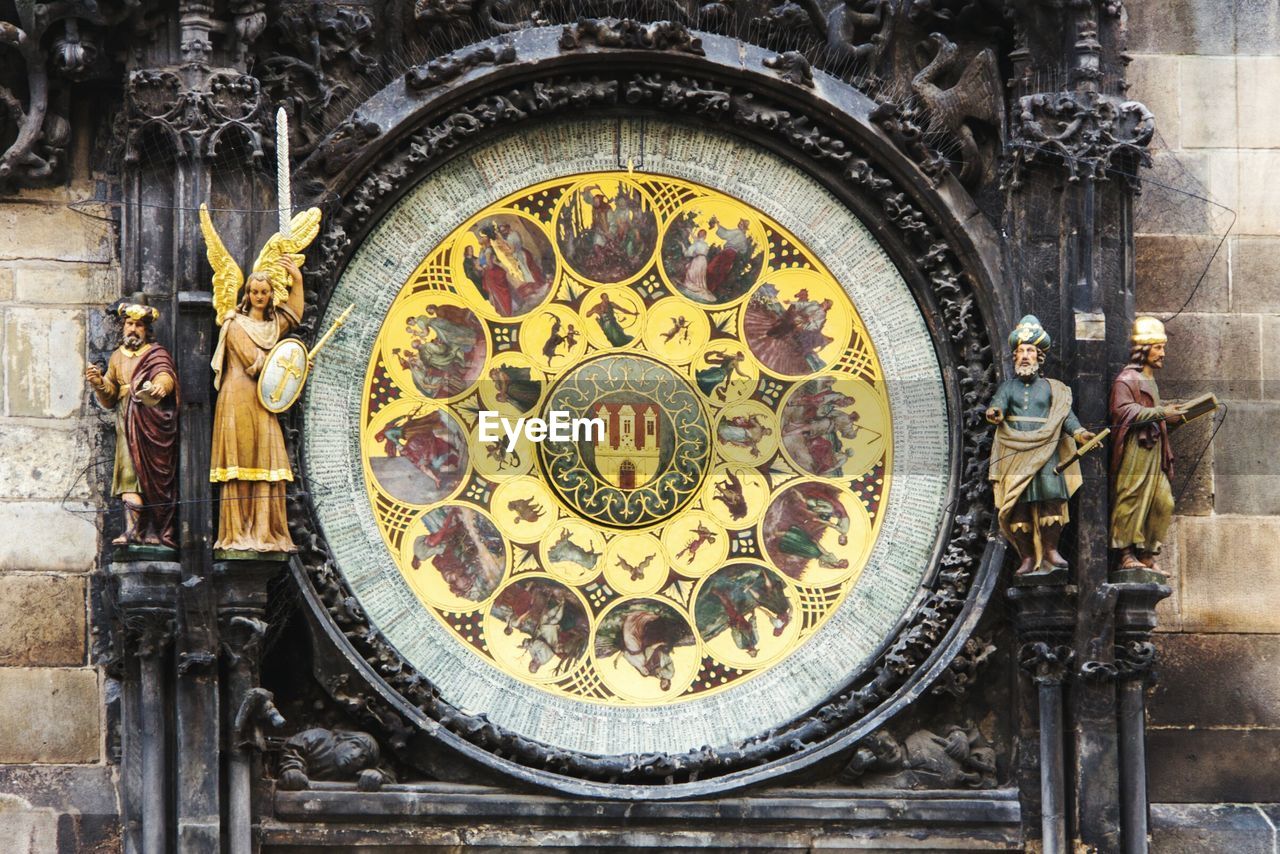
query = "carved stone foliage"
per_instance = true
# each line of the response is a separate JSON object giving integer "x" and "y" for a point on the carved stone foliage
{"x": 148, "y": 633}
{"x": 1046, "y": 662}
{"x": 1086, "y": 132}
{"x": 332, "y": 755}
{"x": 959, "y": 758}
{"x": 1134, "y": 659}
{"x": 447, "y": 68}
{"x": 43, "y": 48}
{"x": 320, "y": 50}
{"x": 963, "y": 670}
{"x": 961, "y": 332}
{"x": 631, "y": 34}
{"x": 342, "y": 145}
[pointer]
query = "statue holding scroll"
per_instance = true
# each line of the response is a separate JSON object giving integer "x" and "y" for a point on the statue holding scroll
{"x": 141, "y": 385}
{"x": 1036, "y": 431}
{"x": 248, "y": 456}
{"x": 1141, "y": 458}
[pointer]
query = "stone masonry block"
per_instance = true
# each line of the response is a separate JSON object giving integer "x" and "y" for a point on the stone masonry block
{"x": 44, "y": 362}
{"x": 1259, "y": 201}
{"x": 28, "y": 829}
{"x": 1193, "y": 466}
{"x": 1181, "y": 26}
{"x": 1207, "y": 766}
{"x": 1207, "y": 103}
{"x": 42, "y": 620}
{"x": 1257, "y": 27}
{"x": 68, "y": 284}
{"x": 1259, "y": 123}
{"x": 1169, "y": 609}
{"x": 48, "y": 460}
{"x": 1271, "y": 358}
{"x": 68, "y": 540}
{"x": 1223, "y": 680}
{"x": 1184, "y": 192}
{"x": 1172, "y": 269}
{"x": 6, "y": 284}
{"x": 1153, "y": 80}
{"x": 1246, "y": 467}
{"x": 49, "y": 714}
{"x": 1226, "y": 561}
{"x": 1255, "y": 266}
{"x": 1210, "y": 829}
{"x": 1216, "y": 353}
{"x": 52, "y": 232}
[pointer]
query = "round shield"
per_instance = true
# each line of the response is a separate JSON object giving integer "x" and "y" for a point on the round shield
{"x": 283, "y": 375}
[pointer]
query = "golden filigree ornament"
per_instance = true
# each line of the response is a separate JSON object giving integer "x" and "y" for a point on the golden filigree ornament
{"x": 732, "y": 498}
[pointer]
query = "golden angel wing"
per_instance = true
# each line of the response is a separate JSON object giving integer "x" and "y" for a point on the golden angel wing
{"x": 303, "y": 229}
{"x": 227, "y": 277}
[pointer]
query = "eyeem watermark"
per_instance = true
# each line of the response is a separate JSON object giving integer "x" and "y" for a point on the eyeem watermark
{"x": 560, "y": 426}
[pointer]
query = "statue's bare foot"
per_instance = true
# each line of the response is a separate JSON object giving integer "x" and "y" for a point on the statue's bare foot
{"x": 1027, "y": 565}
{"x": 1148, "y": 560}
{"x": 1129, "y": 560}
{"x": 1055, "y": 558}
{"x": 122, "y": 540}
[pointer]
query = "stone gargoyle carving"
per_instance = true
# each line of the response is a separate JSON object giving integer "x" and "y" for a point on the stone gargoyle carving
{"x": 959, "y": 759}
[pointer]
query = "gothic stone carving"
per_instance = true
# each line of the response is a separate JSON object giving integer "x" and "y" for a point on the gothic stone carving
{"x": 1047, "y": 663}
{"x": 964, "y": 330}
{"x": 319, "y": 49}
{"x": 963, "y": 670}
{"x": 447, "y": 68}
{"x": 959, "y": 759}
{"x": 792, "y": 67}
{"x": 334, "y": 755}
{"x": 631, "y": 34}
{"x": 1087, "y": 132}
{"x": 193, "y": 118}
{"x": 977, "y": 96}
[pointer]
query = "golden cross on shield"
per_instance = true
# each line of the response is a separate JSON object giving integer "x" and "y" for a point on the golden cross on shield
{"x": 290, "y": 365}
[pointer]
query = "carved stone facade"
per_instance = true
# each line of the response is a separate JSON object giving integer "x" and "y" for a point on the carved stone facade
{"x": 994, "y": 148}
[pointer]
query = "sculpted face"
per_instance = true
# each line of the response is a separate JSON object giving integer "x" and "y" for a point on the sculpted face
{"x": 1026, "y": 360}
{"x": 135, "y": 333}
{"x": 259, "y": 293}
{"x": 1155, "y": 356}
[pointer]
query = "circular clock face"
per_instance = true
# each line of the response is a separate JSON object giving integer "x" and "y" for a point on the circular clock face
{"x": 741, "y": 463}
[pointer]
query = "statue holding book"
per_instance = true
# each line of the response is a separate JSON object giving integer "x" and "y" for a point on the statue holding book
{"x": 1141, "y": 458}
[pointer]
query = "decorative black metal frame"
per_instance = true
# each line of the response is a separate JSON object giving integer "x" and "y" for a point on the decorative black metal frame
{"x": 944, "y": 249}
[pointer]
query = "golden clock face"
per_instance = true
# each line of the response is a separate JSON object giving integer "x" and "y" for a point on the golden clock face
{"x": 728, "y": 502}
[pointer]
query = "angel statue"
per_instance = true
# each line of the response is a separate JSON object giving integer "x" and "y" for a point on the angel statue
{"x": 249, "y": 457}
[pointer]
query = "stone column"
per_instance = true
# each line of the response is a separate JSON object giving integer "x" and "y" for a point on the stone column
{"x": 1044, "y": 617}
{"x": 146, "y": 596}
{"x": 1075, "y": 141}
{"x": 242, "y": 602}
{"x": 1134, "y": 656}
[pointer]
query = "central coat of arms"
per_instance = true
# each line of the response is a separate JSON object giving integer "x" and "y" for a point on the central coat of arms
{"x": 655, "y": 448}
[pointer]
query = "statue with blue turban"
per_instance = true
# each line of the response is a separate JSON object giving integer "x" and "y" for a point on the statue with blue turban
{"x": 1036, "y": 429}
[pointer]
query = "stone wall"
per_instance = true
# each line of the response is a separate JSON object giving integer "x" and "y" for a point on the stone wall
{"x": 1208, "y": 70}
{"x": 58, "y": 266}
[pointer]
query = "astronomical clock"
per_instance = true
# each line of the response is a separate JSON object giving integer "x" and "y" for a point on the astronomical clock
{"x": 747, "y": 510}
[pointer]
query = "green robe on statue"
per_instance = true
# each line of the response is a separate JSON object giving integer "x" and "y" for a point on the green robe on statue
{"x": 1142, "y": 499}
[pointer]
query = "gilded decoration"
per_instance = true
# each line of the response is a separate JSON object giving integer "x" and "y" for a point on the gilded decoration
{"x": 734, "y": 497}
